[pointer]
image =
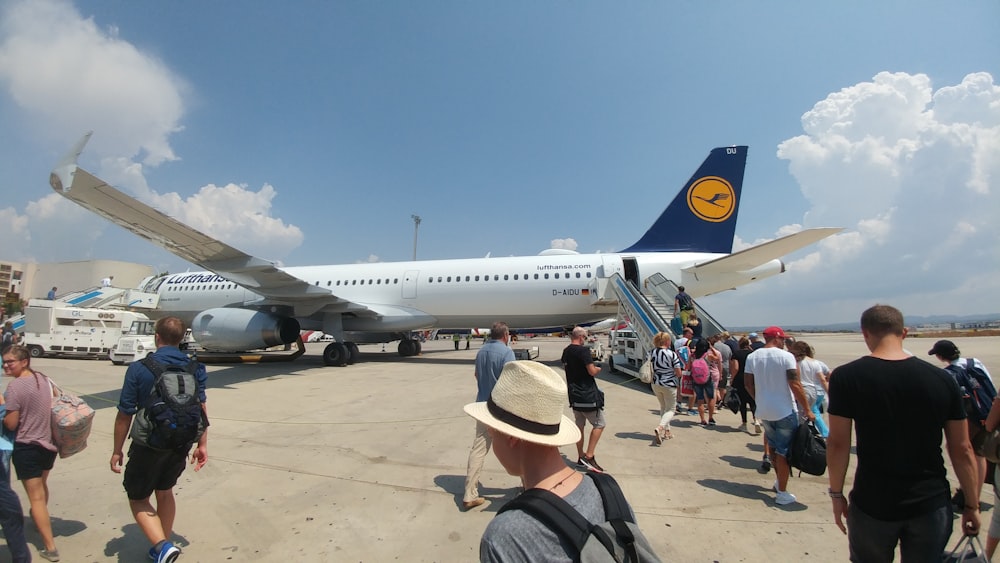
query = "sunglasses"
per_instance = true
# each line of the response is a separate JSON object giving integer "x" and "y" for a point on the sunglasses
{"x": 8, "y": 362}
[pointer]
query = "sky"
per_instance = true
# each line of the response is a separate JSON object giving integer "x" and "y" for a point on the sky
{"x": 311, "y": 132}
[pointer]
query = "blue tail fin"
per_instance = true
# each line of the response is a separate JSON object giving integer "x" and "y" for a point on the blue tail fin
{"x": 702, "y": 218}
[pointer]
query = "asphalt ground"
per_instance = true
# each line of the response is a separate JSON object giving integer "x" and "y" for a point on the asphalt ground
{"x": 367, "y": 463}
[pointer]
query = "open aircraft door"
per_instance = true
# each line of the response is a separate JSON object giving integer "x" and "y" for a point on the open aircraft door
{"x": 603, "y": 293}
{"x": 410, "y": 284}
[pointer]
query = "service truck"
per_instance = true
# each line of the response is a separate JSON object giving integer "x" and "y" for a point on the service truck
{"x": 625, "y": 352}
{"x": 135, "y": 343}
{"x": 52, "y": 329}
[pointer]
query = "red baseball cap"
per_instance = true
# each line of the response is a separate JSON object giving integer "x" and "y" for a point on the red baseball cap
{"x": 774, "y": 331}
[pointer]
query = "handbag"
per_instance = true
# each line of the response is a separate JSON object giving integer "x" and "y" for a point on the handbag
{"x": 732, "y": 400}
{"x": 968, "y": 549}
{"x": 646, "y": 372}
{"x": 72, "y": 418}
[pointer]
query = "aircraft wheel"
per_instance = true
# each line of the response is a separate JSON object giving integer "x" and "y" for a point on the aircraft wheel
{"x": 335, "y": 354}
{"x": 407, "y": 348}
{"x": 353, "y": 353}
{"x": 36, "y": 351}
{"x": 418, "y": 347}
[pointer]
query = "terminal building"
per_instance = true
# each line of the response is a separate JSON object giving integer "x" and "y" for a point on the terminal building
{"x": 21, "y": 281}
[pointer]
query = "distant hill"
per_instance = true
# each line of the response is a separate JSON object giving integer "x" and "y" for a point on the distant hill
{"x": 912, "y": 321}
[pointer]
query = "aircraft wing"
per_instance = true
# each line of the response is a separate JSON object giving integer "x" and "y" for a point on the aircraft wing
{"x": 761, "y": 254}
{"x": 260, "y": 276}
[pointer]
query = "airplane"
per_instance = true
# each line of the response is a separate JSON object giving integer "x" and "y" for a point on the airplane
{"x": 242, "y": 302}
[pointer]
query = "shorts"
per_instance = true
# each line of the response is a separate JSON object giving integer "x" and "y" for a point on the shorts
{"x": 31, "y": 460}
{"x": 779, "y": 433}
{"x": 977, "y": 436}
{"x": 151, "y": 470}
{"x": 595, "y": 418}
{"x": 704, "y": 392}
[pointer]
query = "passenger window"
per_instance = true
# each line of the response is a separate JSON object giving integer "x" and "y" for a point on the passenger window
{"x": 546, "y": 276}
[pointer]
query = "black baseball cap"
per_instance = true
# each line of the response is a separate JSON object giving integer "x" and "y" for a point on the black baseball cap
{"x": 944, "y": 348}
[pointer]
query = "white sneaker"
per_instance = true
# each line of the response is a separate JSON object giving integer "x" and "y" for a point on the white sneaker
{"x": 756, "y": 428}
{"x": 784, "y": 497}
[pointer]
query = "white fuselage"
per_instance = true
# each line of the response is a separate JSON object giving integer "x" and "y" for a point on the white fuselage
{"x": 525, "y": 292}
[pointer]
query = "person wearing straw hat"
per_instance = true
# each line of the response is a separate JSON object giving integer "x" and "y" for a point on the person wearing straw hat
{"x": 524, "y": 415}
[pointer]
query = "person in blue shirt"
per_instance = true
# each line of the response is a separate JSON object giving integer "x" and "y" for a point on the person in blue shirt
{"x": 490, "y": 360}
{"x": 150, "y": 470}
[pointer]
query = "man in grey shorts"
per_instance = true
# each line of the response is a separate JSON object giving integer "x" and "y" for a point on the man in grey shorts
{"x": 586, "y": 400}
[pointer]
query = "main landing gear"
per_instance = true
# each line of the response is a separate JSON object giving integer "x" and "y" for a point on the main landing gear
{"x": 409, "y": 347}
{"x": 341, "y": 354}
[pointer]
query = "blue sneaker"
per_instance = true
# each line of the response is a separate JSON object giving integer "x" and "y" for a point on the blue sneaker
{"x": 168, "y": 553}
{"x": 153, "y": 553}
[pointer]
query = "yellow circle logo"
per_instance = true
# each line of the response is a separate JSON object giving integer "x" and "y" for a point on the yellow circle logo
{"x": 711, "y": 199}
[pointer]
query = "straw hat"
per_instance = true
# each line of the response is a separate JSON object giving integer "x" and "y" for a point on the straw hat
{"x": 527, "y": 403}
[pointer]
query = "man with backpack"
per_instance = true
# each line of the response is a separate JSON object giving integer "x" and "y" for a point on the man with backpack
{"x": 563, "y": 515}
{"x": 978, "y": 392}
{"x": 585, "y": 398}
{"x": 163, "y": 402}
{"x": 771, "y": 377}
{"x": 683, "y": 305}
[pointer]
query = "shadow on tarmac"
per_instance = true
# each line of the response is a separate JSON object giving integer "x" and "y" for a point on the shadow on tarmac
{"x": 749, "y": 492}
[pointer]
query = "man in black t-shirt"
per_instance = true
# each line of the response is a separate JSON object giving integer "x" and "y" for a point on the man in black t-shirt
{"x": 900, "y": 405}
{"x": 586, "y": 400}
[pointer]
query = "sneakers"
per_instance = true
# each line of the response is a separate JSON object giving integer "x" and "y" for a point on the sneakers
{"x": 591, "y": 464}
{"x": 469, "y": 504}
{"x": 784, "y": 497}
{"x": 657, "y": 437}
{"x": 765, "y": 466}
{"x": 49, "y": 555}
{"x": 757, "y": 430}
{"x": 581, "y": 465}
{"x": 743, "y": 428}
{"x": 692, "y": 412}
{"x": 168, "y": 553}
{"x": 703, "y": 423}
{"x": 711, "y": 422}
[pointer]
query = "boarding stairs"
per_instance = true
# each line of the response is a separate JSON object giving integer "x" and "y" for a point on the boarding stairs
{"x": 98, "y": 297}
{"x": 663, "y": 292}
{"x": 641, "y": 313}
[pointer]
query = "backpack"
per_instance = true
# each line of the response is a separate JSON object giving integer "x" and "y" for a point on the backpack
{"x": 616, "y": 539}
{"x": 699, "y": 371}
{"x": 172, "y": 417}
{"x": 808, "y": 450}
{"x": 978, "y": 391}
{"x": 8, "y": 338}
{"x": 684, "y": 301}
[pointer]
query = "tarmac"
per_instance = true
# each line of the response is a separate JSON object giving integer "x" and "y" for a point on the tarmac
{"x": 367, "y": 463}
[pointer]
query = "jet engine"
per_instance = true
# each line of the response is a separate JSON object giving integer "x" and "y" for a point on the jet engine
{"x": 239, "y": 330}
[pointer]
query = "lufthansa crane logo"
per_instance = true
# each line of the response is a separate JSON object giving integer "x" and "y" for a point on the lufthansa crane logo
{"x": 711, "y": 199}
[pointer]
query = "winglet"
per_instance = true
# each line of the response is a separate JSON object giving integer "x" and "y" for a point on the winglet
{"x": 61, "y": 178}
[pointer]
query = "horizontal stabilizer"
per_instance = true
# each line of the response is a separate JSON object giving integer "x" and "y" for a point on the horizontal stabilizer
{"x": 753, "y": 257}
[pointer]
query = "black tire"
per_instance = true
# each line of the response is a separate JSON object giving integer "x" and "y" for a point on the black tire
{"x": 353, "y": 353}
{"x": 36, "y": 351}
{"x": 335, "y": 354}
{"x": 407, "y": 348}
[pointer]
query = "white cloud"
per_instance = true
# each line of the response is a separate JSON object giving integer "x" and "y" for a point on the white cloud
{"x": 564, "y": 244}
{"x": 913, "y": 174}
{"x": 64, "y": 73}
{"x": 69, "y": 75}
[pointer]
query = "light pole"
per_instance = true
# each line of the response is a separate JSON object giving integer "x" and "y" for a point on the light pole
{"x": 416, "y": 225}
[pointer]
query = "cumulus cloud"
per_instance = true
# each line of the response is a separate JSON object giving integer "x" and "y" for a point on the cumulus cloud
{"x": 65, "y": 73}
{"x": 563, "y": 244}
{"x": 912, "y": 173}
